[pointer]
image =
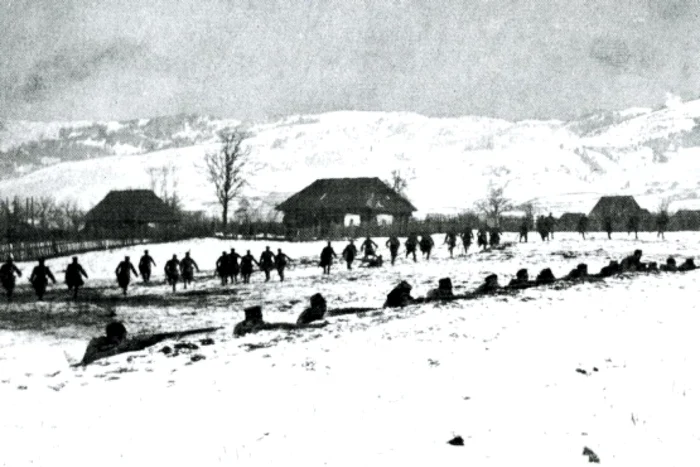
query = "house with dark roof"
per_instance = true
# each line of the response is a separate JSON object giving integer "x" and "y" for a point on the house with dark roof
{"x": 620, "y": 209}
{"x": 130, "y": 210}
{"x": 685, "y": 219}
{"x": 568, "y": 221}
{"x": 329, "y": 201}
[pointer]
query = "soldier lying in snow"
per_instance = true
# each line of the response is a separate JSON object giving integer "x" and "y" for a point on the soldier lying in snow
{"x": 443, "y": 292}
{"x": 521, "y": 281}
{"x": 400, "y": 296}
{"x": 545, "y": 277}
{"x": 632, "y": 263}
{"x": 254, "y": 323}
{"x": 670, "y": 265}
{"x": 316, "y": 312}
{"x": 115, "y": 342}
{"x": 688, "y": 265}
{"x": 490, "y": 285}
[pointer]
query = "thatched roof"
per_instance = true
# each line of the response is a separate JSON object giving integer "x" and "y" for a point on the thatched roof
{"x": 348, "y": 195}
{"x": 129, "y": 207}
{"x": 571, "y": 216}
{"x": 616, "y": 206}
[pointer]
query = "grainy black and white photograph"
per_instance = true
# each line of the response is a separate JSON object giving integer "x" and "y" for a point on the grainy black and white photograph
{"x": 349, "y": 232}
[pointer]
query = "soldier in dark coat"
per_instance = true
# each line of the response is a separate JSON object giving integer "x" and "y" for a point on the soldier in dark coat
{"x": 451, "y": 242}
{"x": 145, "y": 264}
{"x": 549, "y": 225}
{"x": 495, "y": 237}
{"x": 580, "y": 272}
{"x": 187, "y": 267}
{"x": 399, "y": 296}
{"x": 541, "y": 226}
{"x": 490, "y": 285}
{"x": 633, "y": 226}
{"x": 632, "y": 263}
{"x": 524, "y": 228}
{"x": 368, "y": 247}
{"x": 582, "y": 226}
{"x": 394, "y": 244}
{"x": 7, "y": 276}
{"x": 172, "y": 271}
{"x": 221, "y": 265}
{"x": 350, "y": 253}
{"x": 608, "y": 226}
{"x": 661, "y": 224}
{"x": 123, "y": 272}
{"x": 40, "y": 278}
{"x": 467, "y": 239}
{"x": 281, "y": 263}
{"x": 267, "y": 262}
{"x": 411, "y": 245}
{"x": 610, "y": 270}
{"x": 247, "y": 266}
{"x": 522, "y": 279}
{"x": 232, "y": 267}
{"x": 545, "y": 277}
{"x": 443, "y": 291}
{"x": 315, "y": 312}
{"x": 688, "y": 265}
{"x": 327, "y": 255}
{"x": 74, "y": 276}
{"x": 426, "y": 245}
{"x": 481, "y": 238}
{"x": 670, "y": 265}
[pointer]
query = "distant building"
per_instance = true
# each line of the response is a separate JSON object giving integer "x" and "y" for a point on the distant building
{"x": 685, "y": 220}
{"x": 130, "y": 210}
{"x": 339, "y": 201}
{"x": 569, "y": 221}
{"x": 618, "y": 208}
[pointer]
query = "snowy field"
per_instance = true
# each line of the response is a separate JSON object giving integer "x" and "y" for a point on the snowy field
{"x": 389, "y": 387}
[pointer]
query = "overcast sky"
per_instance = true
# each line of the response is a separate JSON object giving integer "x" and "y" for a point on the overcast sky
{"x": 255, "y": 59}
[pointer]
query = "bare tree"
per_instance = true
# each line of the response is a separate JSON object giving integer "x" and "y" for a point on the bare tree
{"x": 494, "y": 204}
{"x": 225, "y": 170}
{"x": 399, "y": 182}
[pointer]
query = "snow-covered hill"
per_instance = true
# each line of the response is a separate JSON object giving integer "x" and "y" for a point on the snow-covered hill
{"x": 562, "y": 166}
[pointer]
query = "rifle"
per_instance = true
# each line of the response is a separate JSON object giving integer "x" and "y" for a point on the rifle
{"x": 137, "y": 343}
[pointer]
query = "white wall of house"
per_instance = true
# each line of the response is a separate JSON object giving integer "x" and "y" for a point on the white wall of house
{"x": 351, "y": 219}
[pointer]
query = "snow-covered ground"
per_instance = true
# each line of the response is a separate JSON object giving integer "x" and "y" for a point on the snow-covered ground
{"x": 384, "y": 388}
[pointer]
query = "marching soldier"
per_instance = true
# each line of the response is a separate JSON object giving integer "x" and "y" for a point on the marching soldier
{"x": 426, "y": 245}
{"x": 267, "y": 262}
{"x": 281, "y": 263}
{"x": 411, "y": 245}
{"x": 7, "y": 276}
{"x": 467, "y": 239}
{"x": 232, "y": 267}
{"x": 123, "y": 272}
{"x": 327, "y": 255}
{"x": 74, "y": 276}
{"x": 172, "y": 271}
{"x": 349, "y": 253}
{"x": 247, "y": 266}
{"x": 368, "y": 247}
{"x": 394, "y": 244}
{"x": 582, "y": 226}
{"x": 187, "y": 267}
{"x": 145, "y": 266}
{"x": 221, "y": 266}
{"x": 451, "y": 242}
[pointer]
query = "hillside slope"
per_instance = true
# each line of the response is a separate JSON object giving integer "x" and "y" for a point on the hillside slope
{"x": 562, "y": 166}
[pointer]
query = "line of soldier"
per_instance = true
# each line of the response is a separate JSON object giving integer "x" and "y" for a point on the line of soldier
{"x": 228, "y": 268}
{"x": 115, "y": 341}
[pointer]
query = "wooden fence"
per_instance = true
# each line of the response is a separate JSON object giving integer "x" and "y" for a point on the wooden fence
{"x": 30, "y": 251}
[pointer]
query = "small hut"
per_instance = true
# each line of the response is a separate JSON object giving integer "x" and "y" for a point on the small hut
{"x": 130, "y": 211}
{"x": 620, "y": 209}
{"x": 568, "y": 221}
